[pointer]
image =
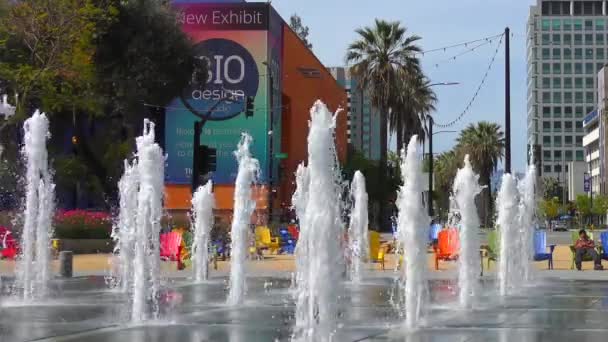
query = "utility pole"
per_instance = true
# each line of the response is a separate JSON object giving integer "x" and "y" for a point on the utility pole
{"x": 430, "y": 196}
{"x": 270, "y": 147}
{"x": 507, "y": 102}
{"x": 198, "y": 127}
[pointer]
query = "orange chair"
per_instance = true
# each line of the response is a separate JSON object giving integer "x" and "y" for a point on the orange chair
{"x": 447, "y": 247}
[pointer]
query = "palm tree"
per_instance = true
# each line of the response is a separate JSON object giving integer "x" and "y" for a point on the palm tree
{"x": 446, "y": 166}
{"x": 412, "y": 103}
{"x": 379, "y": 58}
{"x": 485, "y": 145}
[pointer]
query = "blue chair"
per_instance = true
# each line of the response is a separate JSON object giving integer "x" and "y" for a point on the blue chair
{"x": 288, "y": 244}
{"x": 434, "y": 233}
{"x": 540, "y": 248}
{"x": 604, "y": 247}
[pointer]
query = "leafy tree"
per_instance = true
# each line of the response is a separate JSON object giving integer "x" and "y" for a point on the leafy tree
{"x": 551, "y": 188}
{"x": 445, "y": 169}
{"x": 295, "y": 22}
{"x": 583, "y": 207}
{"x": 484, "y": 143}
{"x": 550, "y": 209}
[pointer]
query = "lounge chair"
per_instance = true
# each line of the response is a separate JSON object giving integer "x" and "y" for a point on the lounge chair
{"x": 434, "y": 233}
{"x": 447, "y": 247}
{"x": 540, "y": 248}
{"x": 263, "y": 240}
{"x": 604, "y": 246}
{"x": 170, "y": 246}
{"x": 9, "y": 247}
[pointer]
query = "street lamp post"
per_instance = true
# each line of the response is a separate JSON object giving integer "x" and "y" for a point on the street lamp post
{"x": 430, "y": 136}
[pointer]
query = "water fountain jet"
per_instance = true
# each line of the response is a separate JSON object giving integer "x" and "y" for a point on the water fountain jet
{"x": 203, "y": 203}
{"x": 357, "y": 232}
{"x": 507, "y": 203}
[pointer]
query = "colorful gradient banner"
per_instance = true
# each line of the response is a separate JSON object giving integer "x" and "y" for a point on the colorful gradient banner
{"x": 234, "y": 41}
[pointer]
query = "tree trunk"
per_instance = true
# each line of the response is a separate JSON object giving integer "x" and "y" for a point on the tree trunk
{"x": 489, "y": 206}
{"x": 383, "y": 166}
{"x": 399, "y": 135}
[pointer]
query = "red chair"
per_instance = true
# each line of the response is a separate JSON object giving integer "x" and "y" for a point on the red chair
{"x": 9, "y": 247}
{"x": 447, "y": 247}
{"x": 169, "y": 246}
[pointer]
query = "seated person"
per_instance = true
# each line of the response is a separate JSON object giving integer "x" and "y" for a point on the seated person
{"x": 585, "y": 246}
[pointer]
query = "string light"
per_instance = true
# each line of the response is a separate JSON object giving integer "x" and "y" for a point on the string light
{"x": 453, "y": 58}
{"x": 486, "y": 39}
{"x": 481, "y": 84}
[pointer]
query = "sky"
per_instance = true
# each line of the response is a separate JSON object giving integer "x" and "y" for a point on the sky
{"x": 440, "y": 23}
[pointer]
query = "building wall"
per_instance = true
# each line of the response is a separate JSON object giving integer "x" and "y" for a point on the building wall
{"x": 576, "y": 172}
{"x": 305, "y": 80}
{"x": 567, "y": 45}
{"x": 363, "y": 123}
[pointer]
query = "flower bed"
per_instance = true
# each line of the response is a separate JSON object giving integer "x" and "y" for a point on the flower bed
{"x": 82, "y": 224}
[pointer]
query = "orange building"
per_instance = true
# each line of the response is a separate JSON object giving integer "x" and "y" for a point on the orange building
{"x": 297, "y": 79}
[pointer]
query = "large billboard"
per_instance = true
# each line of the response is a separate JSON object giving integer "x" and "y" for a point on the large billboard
{"x": 233, "y": 39}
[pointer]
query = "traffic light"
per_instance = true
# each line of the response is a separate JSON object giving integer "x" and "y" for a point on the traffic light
{"x": 208, "y": 158}
{"x": 249, "y": 107}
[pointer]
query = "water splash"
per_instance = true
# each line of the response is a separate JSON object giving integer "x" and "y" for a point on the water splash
{"x": 527, "y": 209}
{"x": 299, "y": 201}
{"x": 203, "y": 203}
{"x": 34, "y": 268}
{"x": 357, "y": 232}
{"x": 412, "y": 233}
{"x": 507, "y": 203}
{"x": 466, "y": 189}
{"x": 150, "y": 168}
{"x": 124, "y": 231}
{"x": 244, "y": 205}
{"x": 319, "y": 257}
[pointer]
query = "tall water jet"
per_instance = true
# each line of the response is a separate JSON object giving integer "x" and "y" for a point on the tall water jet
{"x": 299, "y": 201}
{"x": 244, "y": 205}
{"x": 203, "y": 203}
{"x": 316, "y": 307}
{"x": 466, "y": 189}
{"x": 34, "y": 268}
{"x": 357, "y": 231}
{"x": 507, "y": 203}
{"x": 412, "y": 233}
{"x": 527, "y": 209}
{"x": 124, "y": 231}
{"x": 146, "y": 267}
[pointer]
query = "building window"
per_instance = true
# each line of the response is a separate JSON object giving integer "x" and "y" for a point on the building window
{"x": 599, "y": 38}
{"x": 578, "y": 111}
{"x": 557, "y": 126}
{"x": 589, "y": 39}
{"x": 578, "y": 83}
{"x": 578, "y": 24}
{"x": 599, "y": 67}
{"x": 589, "y": 68}
{"x": 557, "y": 111}
{"x": 567, "y": 24}
{"x": 557, "y": 53}
{"x": 580, "y": 156}
{"x": 599, "y": 53}
{"x": 557, "y": 168}
{"x": 589, "y": 110}
{"x": 578, "y": 39}
{"x": 589, "y": 53}
{"x": 578, "y": 53}
{"x": 588, "y": 23}
{"x": 547, "y": 168}
{"x": 557, "y": 83}
{"x": 578, "y": 68}
{"x": 545, "y": 24}
{"x": 557, "y": 68}
{"x": 547, "y": 97}
{"x": 546, "y": 126}
{"x": 567, "y": 112}
{"x": 546, "y": 112}
{"x": 567, "y": 83}
{"x": 567, "y": 54}
{"x": 546, "y": 82}
{"x": 578, "y": 97}
{"x": 599, "y": 24}
{"x": 567, "y": 97}
{"x": 568, "y": 141}
{"x": 579, "y": 126}
{"x": 589, "y": 97}
{"x": 589, "y": 82}
{"x": 568, "y": 126}
{"x": 546, "y": 53}
{"x": 547, "y": 140}
{"x": 557, "y": 155}
{"x": 568, "y": 69}
{"x": 579, "y": 141}
{"x": 547, "y": 155}
{"x": 557, "y": 24}
{"x": 557, "y": 141}
{"x": 546, "y": 39}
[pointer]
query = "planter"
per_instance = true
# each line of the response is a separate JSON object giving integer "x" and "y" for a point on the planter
{"x": 87, "y": 246}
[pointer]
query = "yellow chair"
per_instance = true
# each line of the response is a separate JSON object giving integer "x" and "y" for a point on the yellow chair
{"x": 263, "y": 240}
{"x": 376, "y": 252}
